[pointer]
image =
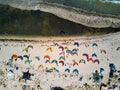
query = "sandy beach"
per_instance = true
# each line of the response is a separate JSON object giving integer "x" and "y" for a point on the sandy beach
{"x": 68, "y": 62}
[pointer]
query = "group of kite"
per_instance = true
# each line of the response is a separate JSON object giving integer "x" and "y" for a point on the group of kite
{"x": 63, "y": 55}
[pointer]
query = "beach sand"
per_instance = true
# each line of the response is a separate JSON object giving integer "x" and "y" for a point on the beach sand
{"x": 67, "y": 62}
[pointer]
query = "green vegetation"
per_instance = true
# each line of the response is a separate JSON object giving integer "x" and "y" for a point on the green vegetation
{"x": 23, "y": 22}
{"x": 91, "y": 5}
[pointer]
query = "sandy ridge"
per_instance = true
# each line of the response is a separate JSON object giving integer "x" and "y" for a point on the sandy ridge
{"x": 77, "y": 16}
{"x": 73, "y": 14}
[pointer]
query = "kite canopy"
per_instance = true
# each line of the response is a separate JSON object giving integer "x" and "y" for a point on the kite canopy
{"x": 82, "y": 61}
{"x": 94, "y": 44}
{"x": 62, "y": 62}
{"x": 56, "y": 44}
{"x": 62, "y": 53}
{"x": 75, "y": 63}
{"x": 47, "y": 61}
{"x": 14, "y": 57}
{"x": 26, "y": 56}
{"x": 49, "y": 70}
{"x": 49, "y": 49}
{"x": 75, "y": 49}
{"x": 90, "y": 59}
{"x": 61, "y": 47}
{"x": 62, "y": 58}
{"x": 103, "y": 51}
{"x": 86, "y": 55}
{"x": 55, "y": 61}
{"x": 76, "y": 44}
{"x": 67, "y": 70}
{"x": 30, "y": 46}
{"x": 27, "y": 48}
{"x": 96, "y": 61}
{"x": 74, "y": 52}
{"x": 68, "y": 51}
{"x": 55, "y": 70}
{"x": 37, "y": 58}
{"x": 28, "y": 61}
{"x": 47, "y": 57}
{"x": 94, "y": 55}
{"x": 66, "y": 48}
{"x": 20, "y": 57}
{"x": 75, "y": 71}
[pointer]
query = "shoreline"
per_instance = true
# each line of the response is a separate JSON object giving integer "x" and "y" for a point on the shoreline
{"x": 51, "y": 38}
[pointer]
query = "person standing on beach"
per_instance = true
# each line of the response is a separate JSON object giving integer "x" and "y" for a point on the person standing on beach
{"x": 96, "y": 77}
